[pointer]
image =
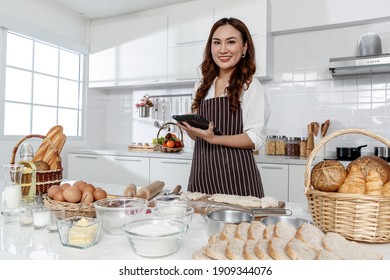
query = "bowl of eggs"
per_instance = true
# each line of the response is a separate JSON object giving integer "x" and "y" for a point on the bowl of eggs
{"x": 115, "y": 212}
{"x": 74, "y": 196}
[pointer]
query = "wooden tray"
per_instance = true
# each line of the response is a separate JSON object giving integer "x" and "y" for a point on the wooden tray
{"x": 140, "y": 148}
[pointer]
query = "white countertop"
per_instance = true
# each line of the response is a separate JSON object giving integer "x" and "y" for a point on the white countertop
{"x": 185, "y": 154}
{"x": 26, "y": 243}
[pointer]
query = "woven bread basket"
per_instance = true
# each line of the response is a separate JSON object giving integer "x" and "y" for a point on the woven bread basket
{"x": 165, "y": 149}
{"x": 71, "y": 209}
{"x": 43, "y": 179}
{"x": 356, "y": 217}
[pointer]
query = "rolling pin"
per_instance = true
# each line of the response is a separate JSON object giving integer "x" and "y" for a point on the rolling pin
{"x": 150, "y": 190}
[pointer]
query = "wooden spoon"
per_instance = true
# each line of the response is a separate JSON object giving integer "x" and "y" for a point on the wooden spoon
{"x": 324, "y": 127}
{"x": 315, "y": 128}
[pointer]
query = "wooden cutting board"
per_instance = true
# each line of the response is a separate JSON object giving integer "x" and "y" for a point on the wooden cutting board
{"x": 203, "y": 204}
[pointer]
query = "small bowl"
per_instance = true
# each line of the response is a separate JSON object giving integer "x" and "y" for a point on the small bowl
{"x": 170, "y": 199}
{"x": 115, "y": 212}
{"x": 293, "y": 221}
{"x": 80, "y": 233}
{"x": 174, "y": 212}
{"x": 217, "y": 219}
{"x": 154, "y": 237}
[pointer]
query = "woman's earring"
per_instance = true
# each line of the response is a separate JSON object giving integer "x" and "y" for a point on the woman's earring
{"x": 243, "y": 55}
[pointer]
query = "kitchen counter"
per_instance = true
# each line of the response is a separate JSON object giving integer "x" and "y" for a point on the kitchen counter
{"x": 26, "y": 243}
{"x": 186, "y": 154}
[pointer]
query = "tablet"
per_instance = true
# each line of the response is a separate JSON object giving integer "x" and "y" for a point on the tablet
{"x": 195, "y": 120}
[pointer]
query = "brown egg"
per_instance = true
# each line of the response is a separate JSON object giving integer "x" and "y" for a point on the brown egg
{"x": 65, "y": 185}
{"x": 99, "y": 194}
{"x": 52, "y": 190}
{"x": 89, "y": 188}
{"x": 58, "y": 196}
{"x": 87, "y": 197}
{"x": 80, "y": 184}
{"x": 72, "y": 194}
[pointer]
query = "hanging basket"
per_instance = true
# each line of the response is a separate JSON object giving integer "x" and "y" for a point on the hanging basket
{"x": 165, "y": 149}
{"x": 144, "y": 112}
{"x": 357, "y": 217}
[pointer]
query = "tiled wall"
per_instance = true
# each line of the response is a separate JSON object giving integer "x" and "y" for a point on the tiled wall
{"x": 302, "y": 91}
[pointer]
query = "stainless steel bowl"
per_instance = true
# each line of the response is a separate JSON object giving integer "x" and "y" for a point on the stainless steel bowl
{"x": 294, "y": 221}
{"x": 217, "y": 219}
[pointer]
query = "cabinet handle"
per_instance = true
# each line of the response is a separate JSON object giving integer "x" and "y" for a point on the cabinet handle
{"x": 174, "y": 162}
{"x": 127, "y": 159}
{"x": 272, "y": 167}
{"x": 89, "y": 157}
{"x": 186, "y": 79}
{"x": 146, "y": 82}
{"x": 190, "y": 42}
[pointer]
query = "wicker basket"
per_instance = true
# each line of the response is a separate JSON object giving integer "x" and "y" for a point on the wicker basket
{"x": 354, "y": 216}
{"x": 164, "y": 149}
{"x": 86, "y": 210}
{"x": 43, "y": 179}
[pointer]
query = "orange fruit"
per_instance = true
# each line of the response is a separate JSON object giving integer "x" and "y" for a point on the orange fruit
{"x": 171, "y": 144}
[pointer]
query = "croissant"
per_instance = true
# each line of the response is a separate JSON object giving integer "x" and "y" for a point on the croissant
{"x": 386, "y": 189}
{"x": 354, "y": 182}
{"x": 373, "y": 183}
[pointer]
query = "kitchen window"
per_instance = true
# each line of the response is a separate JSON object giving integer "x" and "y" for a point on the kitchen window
{"x": 43, "y": 87}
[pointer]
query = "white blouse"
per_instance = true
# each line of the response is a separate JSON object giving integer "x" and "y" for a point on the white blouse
{"x": 255, "y": 111}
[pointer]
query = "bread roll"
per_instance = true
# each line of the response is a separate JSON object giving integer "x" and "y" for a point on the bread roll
{"x": 354, "y": 183}
{"x": 328, "y": 175}
{"x": 386, "y": 189}
{"x": 367, "y": 163}
{"x": 373, "y": 183}
{"x": 42, "y": 165}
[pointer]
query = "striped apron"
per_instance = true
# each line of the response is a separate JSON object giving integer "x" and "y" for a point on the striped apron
{"x": 221, "y": 169}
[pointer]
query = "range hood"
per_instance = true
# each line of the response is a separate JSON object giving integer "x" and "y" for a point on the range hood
{"x": 355, "y": 65}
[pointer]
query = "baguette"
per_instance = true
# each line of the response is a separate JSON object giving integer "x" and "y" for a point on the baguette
{"x": 58, "y": 142}
{"x": 44, "y": 147}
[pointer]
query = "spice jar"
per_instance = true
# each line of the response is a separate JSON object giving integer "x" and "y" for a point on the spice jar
{"x": 280, "y": 145}
{"x": 302, "y": 146}
{"x": 292, "y": 146}
{"x": 270, "y": 145}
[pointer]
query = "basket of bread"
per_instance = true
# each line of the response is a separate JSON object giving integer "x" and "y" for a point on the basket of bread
{"x": 171, "y": 143}
{"x": 353, "y": 201}
{"x": 45, "y": 169}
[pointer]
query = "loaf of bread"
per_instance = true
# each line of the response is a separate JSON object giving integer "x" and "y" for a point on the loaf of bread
{"x": 354, "y": 183}
{"x": 367, "y": 163}
{"x": 328, "y": 175}
{"x": 374, "y": 183}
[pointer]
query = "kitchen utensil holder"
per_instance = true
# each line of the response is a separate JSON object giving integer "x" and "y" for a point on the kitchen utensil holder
{"x": 43, "y": 179}
{"x": 355, "y": 216}
{"x": 167, "y": 149}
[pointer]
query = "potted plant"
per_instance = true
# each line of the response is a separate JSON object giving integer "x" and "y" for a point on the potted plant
{"x": 144, "y": 107}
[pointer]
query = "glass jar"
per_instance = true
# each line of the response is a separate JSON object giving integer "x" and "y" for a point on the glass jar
{"x": 280, "y": 147}
{"x": 270, "y": 145}
{"x": 292, "y": 146}
{"x": 302, "y": 146}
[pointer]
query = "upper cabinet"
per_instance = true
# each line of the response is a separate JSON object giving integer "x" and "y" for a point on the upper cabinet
{"x": 166, "y": 45}
{"x": 188, "y": 28}
{"x": 128, "y": 51}
{"x": 256, "y": 16}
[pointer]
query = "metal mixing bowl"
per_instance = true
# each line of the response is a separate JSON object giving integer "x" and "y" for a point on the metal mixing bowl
{"x": 294, "y": 221}
{"x": 217, "y": 219}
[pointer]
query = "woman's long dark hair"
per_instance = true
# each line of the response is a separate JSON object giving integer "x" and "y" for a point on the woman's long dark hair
{"x": 242, "y": 74}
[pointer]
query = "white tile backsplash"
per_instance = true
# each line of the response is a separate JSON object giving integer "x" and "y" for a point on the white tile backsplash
{"x": 302, "y": 91}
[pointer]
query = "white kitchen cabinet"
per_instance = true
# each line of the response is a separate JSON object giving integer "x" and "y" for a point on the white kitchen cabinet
{"x": 86, "y": 167}
{"x": 128, "y": 50}
{"x": 296, "y": 183}
{"x": 275, "y": 180}
{"x": 123, "y": 170}
{"x": 188, "y": 28}
{"x": 171, "y": 171}
{"x": 256, "y": 16}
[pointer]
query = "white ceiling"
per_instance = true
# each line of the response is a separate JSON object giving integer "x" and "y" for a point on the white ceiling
{"x": 95, "y": 9}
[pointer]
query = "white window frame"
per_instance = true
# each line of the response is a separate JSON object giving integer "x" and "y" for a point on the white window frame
{"x": 82, "y": 86}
